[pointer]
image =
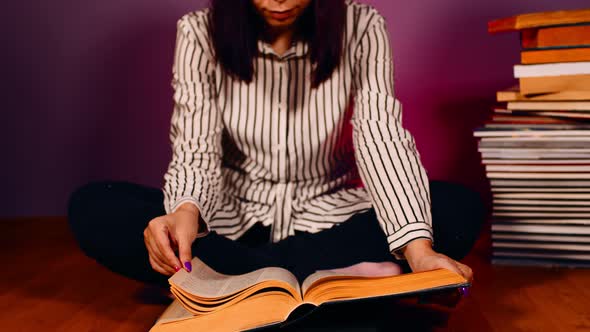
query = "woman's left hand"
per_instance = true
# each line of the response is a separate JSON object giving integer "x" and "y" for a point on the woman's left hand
{"x": 421, "y": 257}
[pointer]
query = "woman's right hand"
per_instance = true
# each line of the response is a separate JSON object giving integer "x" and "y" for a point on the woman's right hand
{"x": 169, "y": 233}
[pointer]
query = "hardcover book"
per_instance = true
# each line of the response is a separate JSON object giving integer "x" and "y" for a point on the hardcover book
{"x": 514, "y": 94}
{"x": 542, "y": 19}
{"x": 210, "y": 301}
{"x": 555, "y": 56}
{"x": 560, "y": 36}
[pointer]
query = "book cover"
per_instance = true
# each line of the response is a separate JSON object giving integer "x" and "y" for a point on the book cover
{"x": 540, "y": 19}
{"x": 550, "y": 84}
{"x": 552, "y": 69}
{"x": 553, "y": 56}
{"x": 549, "y": 105}
{"x": 514, "y": 94}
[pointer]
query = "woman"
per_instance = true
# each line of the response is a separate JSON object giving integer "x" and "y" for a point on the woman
{"x": 272, "y": 163}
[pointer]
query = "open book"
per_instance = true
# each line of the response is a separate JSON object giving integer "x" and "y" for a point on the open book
{"x": 209, "y": 301}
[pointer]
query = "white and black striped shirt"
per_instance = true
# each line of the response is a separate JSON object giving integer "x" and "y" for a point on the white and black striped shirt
{"x": 278, "y": 152}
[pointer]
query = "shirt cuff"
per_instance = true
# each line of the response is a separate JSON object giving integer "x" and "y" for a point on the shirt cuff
{"x": 405, "y": 235}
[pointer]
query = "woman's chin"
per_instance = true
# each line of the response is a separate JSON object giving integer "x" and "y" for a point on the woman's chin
{"x": 280, "y": 24}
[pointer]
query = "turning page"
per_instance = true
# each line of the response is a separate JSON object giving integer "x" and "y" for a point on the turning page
{"x": 174, "y": 312}
{"x": 205, "y": 282}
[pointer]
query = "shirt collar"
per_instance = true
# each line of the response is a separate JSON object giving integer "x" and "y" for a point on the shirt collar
{"x": 298, "y": 49}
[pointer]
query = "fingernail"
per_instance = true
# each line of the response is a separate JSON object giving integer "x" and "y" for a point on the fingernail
{"x": 464, "y": 291}
{"x": 188, "y": 266}
{"x": 176, "y": 268}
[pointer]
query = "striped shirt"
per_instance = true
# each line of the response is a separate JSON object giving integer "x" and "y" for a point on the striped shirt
{"x": 278, "y": 152}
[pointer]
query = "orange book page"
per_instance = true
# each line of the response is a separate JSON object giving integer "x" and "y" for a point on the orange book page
{"x": 201, "y": 306}
{"x": 259, "y": 310}
{"x": 327, "y": 287}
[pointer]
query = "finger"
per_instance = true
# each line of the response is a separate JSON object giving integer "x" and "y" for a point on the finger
{"x": 185, "y": 251}
{"x": 157, "y": 267}
{"x": 168, "y": 269}
{"x": 451, "y": 265}
{"x": 155, "y": 253}
{"x": 466, "y": 271}
{"x": 459, "y": 269}
{"x": 160, "y": 235}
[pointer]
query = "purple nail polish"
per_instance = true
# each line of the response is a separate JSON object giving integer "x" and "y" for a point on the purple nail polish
{"x": 464, "y": 291}
{"x": 188, "y": 266}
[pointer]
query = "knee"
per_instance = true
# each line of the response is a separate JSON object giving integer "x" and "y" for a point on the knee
{"x": 83, "y": 200}
{"x": 82, "y": 208}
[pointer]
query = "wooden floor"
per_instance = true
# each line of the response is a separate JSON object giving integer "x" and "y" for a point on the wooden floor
{"x": 47, "y": 284}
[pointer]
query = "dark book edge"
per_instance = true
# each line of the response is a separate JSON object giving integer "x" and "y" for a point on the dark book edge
{"x": 549, "y": 263}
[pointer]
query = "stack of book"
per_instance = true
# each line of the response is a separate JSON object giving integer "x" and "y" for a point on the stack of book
{"x": 536, "y": 146}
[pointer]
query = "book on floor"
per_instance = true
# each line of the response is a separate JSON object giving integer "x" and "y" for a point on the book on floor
{"x": 535, "y": 146}
{"x": 210, "y": 301}
{"x": 530, "y": 118}
{"x": 505, "y": 115}
{"x": 555, "y": 55}
{"x": 556, "y": 247}
{"x": 546, "y": 238}
{"x": 552, "y": 69}
{"x": 556, "y": 36}
{"x": 575, "y": 115}
{"x": 496, "y": 130}
{"x": 538, "y": 168}
{"x": 549, "y": 84}
{"x": 581, "y": 106}
{"x": 541, "y": 19}
{"x": 537, "y": 228}
{"x": 540, "y": 183}
{"x": 514, "y": 94}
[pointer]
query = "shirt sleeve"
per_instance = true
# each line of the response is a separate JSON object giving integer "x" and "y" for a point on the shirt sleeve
{"x": 386, "y": 155}
{"x": 194, "y": 173}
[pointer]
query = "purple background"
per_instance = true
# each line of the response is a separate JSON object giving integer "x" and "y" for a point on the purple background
{"x": 86, "y": 89}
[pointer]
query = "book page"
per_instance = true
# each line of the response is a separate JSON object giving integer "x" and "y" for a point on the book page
{"x": 203, "y": 281}
{"x": 331, "y": 286}
{"x": 361, "y": 270}
{"x": 312, "y": 278}
{"x": 174, "y": 312}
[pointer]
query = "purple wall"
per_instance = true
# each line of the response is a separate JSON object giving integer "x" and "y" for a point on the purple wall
{"x": 86, "y": 90}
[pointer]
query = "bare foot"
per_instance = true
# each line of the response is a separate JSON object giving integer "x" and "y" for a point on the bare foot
{"x": 370, "y": 269}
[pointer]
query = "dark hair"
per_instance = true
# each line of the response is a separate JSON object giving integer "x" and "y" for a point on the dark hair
{"x": 236, "y": 27}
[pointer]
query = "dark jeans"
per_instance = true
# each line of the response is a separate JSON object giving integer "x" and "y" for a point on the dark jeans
{"x": 108, "y": 219}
